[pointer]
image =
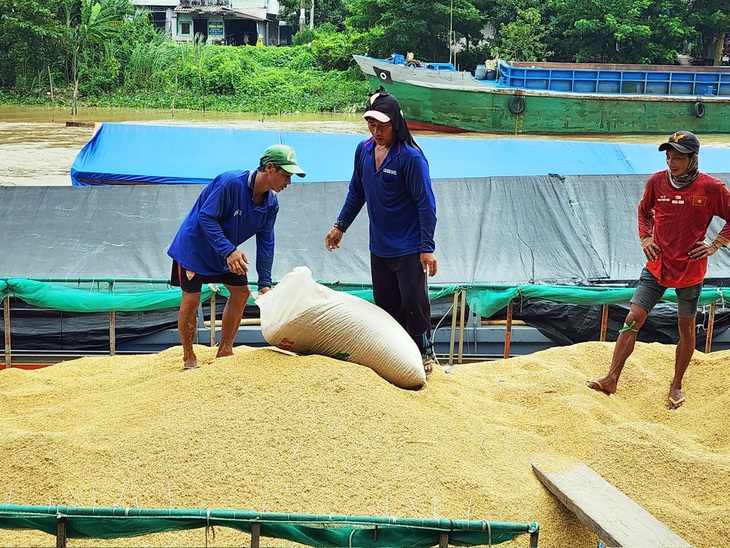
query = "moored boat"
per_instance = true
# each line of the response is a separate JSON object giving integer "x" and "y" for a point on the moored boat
{"x": 556, "y": 98}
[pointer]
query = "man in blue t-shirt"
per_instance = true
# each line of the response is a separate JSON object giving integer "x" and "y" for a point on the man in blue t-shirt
{"x": 391, "y": 176}
{"x": 234, "y": 207}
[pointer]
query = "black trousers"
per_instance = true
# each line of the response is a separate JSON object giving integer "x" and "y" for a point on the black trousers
{"x": 399, "y": 288}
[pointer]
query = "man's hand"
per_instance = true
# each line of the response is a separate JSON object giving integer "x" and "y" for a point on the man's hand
{"x": 651, "y": 250}
{"x": 263, "y": 290}
{"x": 703, "y": 250}
{"x": 428, "y": 261}
{"x": 237, "y": 262}
{"x": 333, "y": 239}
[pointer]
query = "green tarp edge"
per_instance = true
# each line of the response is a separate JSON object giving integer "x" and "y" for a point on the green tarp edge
{"x": 488, "y": 300}
{"x": 99, "y": 297}
{"x": 308, "y": 529}
{"x": 485, "y": 300}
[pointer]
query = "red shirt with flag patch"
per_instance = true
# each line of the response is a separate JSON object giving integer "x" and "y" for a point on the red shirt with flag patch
{"x": 678, "y": 218}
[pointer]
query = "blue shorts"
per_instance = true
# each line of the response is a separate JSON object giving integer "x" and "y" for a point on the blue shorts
{"x": 190, "y": 282}
{"x": 649, "y": 292}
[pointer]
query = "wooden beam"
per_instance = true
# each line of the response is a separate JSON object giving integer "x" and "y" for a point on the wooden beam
{"x": 112, "y": 333}
{"x": 6, "y": 317}
{"x": 710, "y": 329}
{"x": 454, "y": 307}
{"x": 508, "y": 329}
{"x": 61, "y": 533}
{"x": 443, "y": 540}
{"x": 604, "y": 322}
{"x": 213, "y": 320}
{"x": 616, "y": 519}
{"x": 462, "y": 322}
{"x": 255, "y": 535}
{"x": 112, "y": 327}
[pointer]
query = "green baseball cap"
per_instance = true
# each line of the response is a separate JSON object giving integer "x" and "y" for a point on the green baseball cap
{"x": 284, "y": 157}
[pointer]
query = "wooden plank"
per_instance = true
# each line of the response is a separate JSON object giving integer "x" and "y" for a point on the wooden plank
{"x": 710, "y": 327}
{"x": 61, "y": 528}
{"x": 6, "y": 315}
{"x": 255, "y": 535}
{"x": 616, "y": 519}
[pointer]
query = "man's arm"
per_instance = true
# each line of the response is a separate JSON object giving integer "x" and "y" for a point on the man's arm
{"x": 353, "y": 204}
{"x": 355, "y": 194}
{"x": 703, "y": 250}
{"x": 418, "y": 182}
{"x": 209, "y": 218}
{"x": 265, "y": 241}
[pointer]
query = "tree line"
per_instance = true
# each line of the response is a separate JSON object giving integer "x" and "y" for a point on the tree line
{"x": 108, "y": 52}
{"x": 609, "y": 31}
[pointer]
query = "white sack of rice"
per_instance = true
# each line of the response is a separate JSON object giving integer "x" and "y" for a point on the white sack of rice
{"x": 308, "y": 318}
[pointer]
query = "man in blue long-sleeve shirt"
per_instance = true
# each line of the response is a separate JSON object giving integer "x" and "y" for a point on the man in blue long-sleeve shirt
{"x": 234, "y": 207}
{"x": 391, "y": 176}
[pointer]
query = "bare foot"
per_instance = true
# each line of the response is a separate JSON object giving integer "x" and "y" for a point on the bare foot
{"x": 676, "y": 398}
{"x": 428, "y": 362}
{"x": 601, "y": 385}
{"x": 223, "y": 352}
{"x": 190, "y": 363}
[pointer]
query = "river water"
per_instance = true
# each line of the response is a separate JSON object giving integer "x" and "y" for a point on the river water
{"x": 37, "y": 147}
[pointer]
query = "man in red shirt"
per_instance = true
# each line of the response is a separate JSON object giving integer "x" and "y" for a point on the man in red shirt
{"x": 674, "y": 215}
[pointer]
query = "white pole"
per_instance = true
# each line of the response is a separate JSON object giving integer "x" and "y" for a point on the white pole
{"x": 451, "y": 31}
{"x": 311, "y": 16}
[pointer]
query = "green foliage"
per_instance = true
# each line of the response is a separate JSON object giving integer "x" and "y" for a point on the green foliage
{"x": 99, "y": 73}
{"x": 418, "y": 26}
{"x": 711, "y": 21}
{"x": 267, "y": 80}
{"x": 468, "y": 60}
{"x": 619, "y": 31}
{"x": 304, "y": 37}
{"x": 331, "y": 49}
{"x": 333, "y": 12}
{"x": 104, "y": 52}
{"x": 523, "y": 39}
{"x": 29, "y": 35}
{"x": 150, "y": 65}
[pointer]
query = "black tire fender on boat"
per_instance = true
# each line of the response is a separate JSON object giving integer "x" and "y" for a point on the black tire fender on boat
{"x": 516, "y": 105}
{"x": 699, "y": 109}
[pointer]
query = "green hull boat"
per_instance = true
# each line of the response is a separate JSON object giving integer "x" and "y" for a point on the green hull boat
{"x": 552, "y": 98}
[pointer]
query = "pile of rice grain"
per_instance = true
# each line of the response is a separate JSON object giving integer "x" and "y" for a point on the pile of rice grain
{"x": 264, "y": 431}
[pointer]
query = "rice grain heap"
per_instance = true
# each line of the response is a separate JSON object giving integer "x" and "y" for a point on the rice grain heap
{"x": 265, "y": 431}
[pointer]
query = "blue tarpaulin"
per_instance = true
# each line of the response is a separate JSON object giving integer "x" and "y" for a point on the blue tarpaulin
{"x": 156, "y": 154}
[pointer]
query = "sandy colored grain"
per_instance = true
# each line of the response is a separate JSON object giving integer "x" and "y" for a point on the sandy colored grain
{"x": 265, "y": 431}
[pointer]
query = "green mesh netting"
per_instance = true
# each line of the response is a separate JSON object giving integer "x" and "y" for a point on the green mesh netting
{"x": 141, "y": 295}
{"x": 308, "y": 529}
{"x": 488, "y": 300}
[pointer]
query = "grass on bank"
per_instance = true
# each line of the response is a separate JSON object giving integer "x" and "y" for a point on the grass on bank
{"x": 266, "y": 80}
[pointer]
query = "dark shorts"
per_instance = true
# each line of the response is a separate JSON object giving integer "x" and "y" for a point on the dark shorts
{"x": 649, "y": 292}
{"x": 190, "y": 282}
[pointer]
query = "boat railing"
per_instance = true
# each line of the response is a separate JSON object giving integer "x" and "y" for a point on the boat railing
{"x": 596, "y": 80}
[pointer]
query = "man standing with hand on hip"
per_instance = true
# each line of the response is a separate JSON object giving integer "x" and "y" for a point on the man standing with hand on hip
{"x": 234, "y": 207}
{"x": 391, "y": 176}
{"x": 674, "y": 215}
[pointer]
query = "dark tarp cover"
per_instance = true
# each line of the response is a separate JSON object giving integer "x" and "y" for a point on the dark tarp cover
{"x": 498, "y": 230}
{"x": 547, "y": 238}
{"x": 170, "y": 154}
